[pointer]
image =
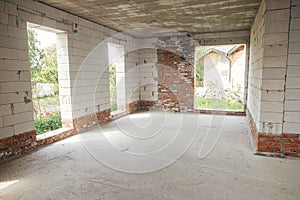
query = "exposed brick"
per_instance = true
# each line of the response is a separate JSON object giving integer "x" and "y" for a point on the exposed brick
{"x": 17, "y": 144}
{"x": 286, "y": 144}
{"x": 175, "y": 79}
{"x": 294, "y": 136}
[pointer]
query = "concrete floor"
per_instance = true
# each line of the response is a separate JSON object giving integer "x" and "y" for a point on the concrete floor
{"x": 153, "y": 155}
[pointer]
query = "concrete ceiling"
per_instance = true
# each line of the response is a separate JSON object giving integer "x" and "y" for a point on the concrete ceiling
{"x": 187, "y": 16}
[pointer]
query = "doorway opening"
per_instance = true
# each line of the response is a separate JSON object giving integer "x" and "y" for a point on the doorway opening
{"x": 220, "y": 77}
{"x": 116, "y": 78}
{"x": 44, "y": 77}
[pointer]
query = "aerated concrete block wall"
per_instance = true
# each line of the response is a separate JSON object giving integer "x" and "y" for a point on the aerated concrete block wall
{"x": 272, "y": 81}
{"x": 292, "y": 94}
{"x": 16, "y": 108}
{"x": 83, "y": 71}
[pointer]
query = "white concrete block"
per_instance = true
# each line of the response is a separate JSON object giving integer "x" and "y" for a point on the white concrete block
{"x": 6, "y": 132}
{"x": 269, "y": 106}
{"x": 12, "y": 20}
{"x": 295, "y": 12}
{"x": 272, "y": 84}
{"x": 13, "y": 65}
{"x": 272, "y": 117}
{"x": 104, "y": 106}
{"x": 23, "y": 127}
{"x": 1, "y": 122}
{"x": 3, "y": 18}
{"x": 12, "y": 98}
{"x": 275, "y": 4}
{"x": 19, "y": 33}
{"x": 66, "y": 115}
{"x": 22, "y": 107}
{"x": 293, "y": 71}
{"x": 291, "y": 127}
{"x": 2, "y": 6}
{"x": 17, "y": 118}
{"x": 272, "y": 95}
{"x": 8, "y": 53}
{"x": 10, "y": 9}
{"x": 294, "y": 36}
{"x": 277, "y": 16}
{"x": 48, "y": 22}
{"x": 292, "y": 94}
{"x": 15, "y": 87}
{"x": 3, "y": 30}
{"x": 294, "y": 48}
{"x": 275, "y": 50}
{"x": 293, "y": 59}
{"x": 10, "y": 42}
{"x": 274, "y": 73}
{"x": 278, "y": 38}
{"x": 292, "y": 117}
{"x": 292, "y": 105}
{"x": 293, "y": 82}
{"x": 5, "y": 110}
{"x": 271, "y": 128}
{"x": 277, "y": 26}
{"x": 295, "y": 23}
{"x": 7, "y": 76}
{"x": 295, "y": 2}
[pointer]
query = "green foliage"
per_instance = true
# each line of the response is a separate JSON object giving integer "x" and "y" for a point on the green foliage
{"x": 113, "y": 87}
{"x": 219, "y": 104}
{"x": 43, "y": 62}
{"x": 199, "y": 66}
{"x": 49, "y": 73}
{"x": 49, "y": 123}
{"x": 36, "y": 56}
{"x": 199, "y": 73}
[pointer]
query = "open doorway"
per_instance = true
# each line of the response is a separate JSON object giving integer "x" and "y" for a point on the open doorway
{"x": 220, "y": 77}
{"x": 116, "y": 78}
{"x": 44, "y": 78}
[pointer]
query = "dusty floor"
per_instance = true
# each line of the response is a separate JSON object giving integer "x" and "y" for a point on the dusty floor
{"x": 149, "y": 156}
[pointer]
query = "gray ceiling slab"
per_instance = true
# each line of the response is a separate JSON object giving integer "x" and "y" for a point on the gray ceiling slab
{"x": 187, "y": 16}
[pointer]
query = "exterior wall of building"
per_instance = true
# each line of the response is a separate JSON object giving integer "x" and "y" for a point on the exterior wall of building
{"x": 216, "y": 71}
{"x": 238, "y": 58}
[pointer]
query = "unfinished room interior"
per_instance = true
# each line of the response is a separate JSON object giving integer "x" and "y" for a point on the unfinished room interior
{"x": 137, "y": 99}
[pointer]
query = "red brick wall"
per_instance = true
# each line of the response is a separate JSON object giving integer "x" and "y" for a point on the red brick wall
{"x": 175, "y": 81}
{"x": 54, "y": 138}
{"x": 286, "y": 144}
{"x": 17, "y": 144}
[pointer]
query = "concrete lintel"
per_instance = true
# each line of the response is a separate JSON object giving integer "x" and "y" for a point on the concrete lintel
{"x": 218, "y": 35}
{"x": 219, "y": 38}
{"x": 224, "y": 41}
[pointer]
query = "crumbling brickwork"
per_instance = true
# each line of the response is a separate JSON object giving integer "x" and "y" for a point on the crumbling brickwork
{"x": 18, "y": 144}
{"x": 175, "y": 68}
